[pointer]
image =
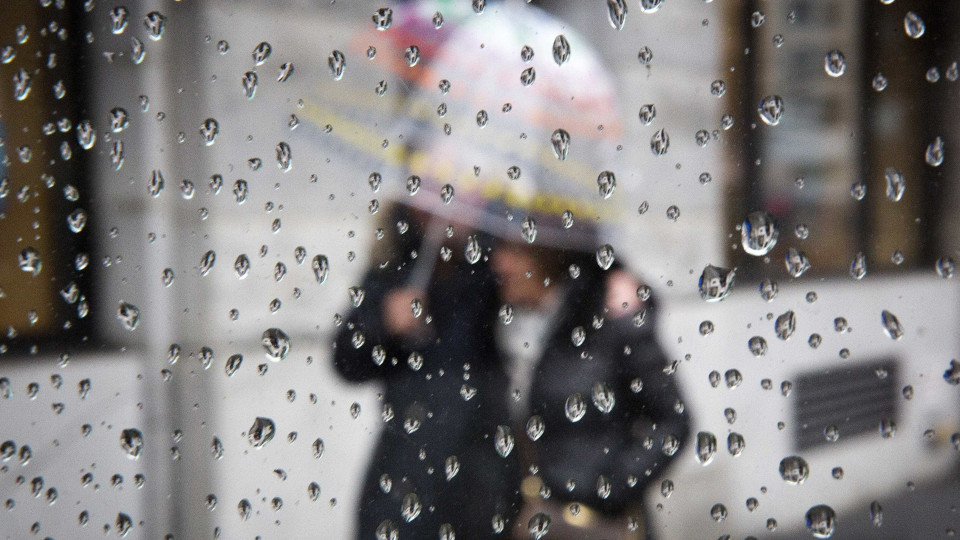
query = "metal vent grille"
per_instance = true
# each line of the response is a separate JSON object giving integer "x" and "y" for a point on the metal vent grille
{"x": 854, "y": 399}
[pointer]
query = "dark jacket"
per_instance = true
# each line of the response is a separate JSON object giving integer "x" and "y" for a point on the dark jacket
{"x": 461, "y": 360}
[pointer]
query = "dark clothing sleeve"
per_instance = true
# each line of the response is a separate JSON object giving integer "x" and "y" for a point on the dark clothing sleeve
{"x": 608, "y": 459}
{"x": 364, "y": 328}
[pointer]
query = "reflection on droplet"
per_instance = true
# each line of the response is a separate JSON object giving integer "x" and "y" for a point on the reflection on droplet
{"x": 891, "y": 326}
{"x": 575, "y": 408}
{"x": 617, "y": 13}
{"x": 605, "y": 256}
{"x": 503, "y": 441}
{"x": 913, "y": 25}
{"x": 896, "y": 184}
{"x": 771, "y": 110}
{"x": 716, "y": 283}
{"x": 794, "y": 470}
{"x": 785, "y": 325}
{"x": 821, "y": 521}
{"x": 276, "y": 344}
{"x": 261, "y": 432}
{"x": 834, "y": 63}
{"x": 561, "y": 50}
{"x": 796, "y": 262}
{"x": 706, "y": 447}
{"x": 758, "y": 233}
{"x": 934, "y": 153}
{"x": 659, "y": 142}
{"x": 337, "y": 63}
{"x": 560, "y": 140}
{"x": 131, "y": 441}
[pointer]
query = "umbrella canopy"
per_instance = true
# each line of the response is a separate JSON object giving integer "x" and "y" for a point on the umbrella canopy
{"x": 511, "y": 128}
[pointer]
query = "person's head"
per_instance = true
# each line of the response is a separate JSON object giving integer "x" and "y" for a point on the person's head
{"x": 528, "y": 275}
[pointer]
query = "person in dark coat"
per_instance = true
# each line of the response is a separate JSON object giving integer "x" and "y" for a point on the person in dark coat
{"x": 590, "y": 418}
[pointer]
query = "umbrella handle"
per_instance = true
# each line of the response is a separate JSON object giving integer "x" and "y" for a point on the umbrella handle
{"x": 427, "y": 255}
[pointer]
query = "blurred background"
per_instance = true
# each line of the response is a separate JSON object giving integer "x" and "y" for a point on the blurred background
{"x": 121, "y": 304}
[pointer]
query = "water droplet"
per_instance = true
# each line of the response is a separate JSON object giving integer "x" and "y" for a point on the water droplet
{"x": 617, "y": 12}
{"x": 771, "y": 110}
{"x": 412, "y": 55}
{"x": 605, "y": 256}
{"x": 858, "y": 191}
{"x": 321, "y": 268}
{"x": 706, "y": 447}
{"x": 387, "y": 530}
{"x": 528, "y": 76}
{"x": 261, "y": 52}
{"x": 244, "y": 509}
{"x": 794, "y": 470}
{"x": 718, "y": 88}
{"x": 650, "y": 6}
{"x": 22, "y": 82}
{"x": 526, "y": 53}
{"x": 858, "y": 268}
{"x": 538, "y": 526}
{"x": 647, "y": 113}
{"x": 758, "y": 233}
{"x": 560, "y": 140}
{"x": 284, "y": 156}
{"x": 913, "y": 25}
{"x": 249, "y": 84}
{"x": 535, "y": 427}
{"x": 472, "y": 251}
{"x": 154, "y": 23}
{"x": 821, "y": 520}
{"x": 207, "y": 262}
{"x": 934, "y": 153}
{"x": 575, "y": 408}
{"x": 528, "y": 229}
{"x": 834, "y": 63}
{"x": 413, "y": 184}
{"x": 879, "y": 82}
{"x": 603, "y": 397}
{"x": 77, "y": 220}
{"x": 261, "y": 432}
{"x": 29, "y": 261}
{"x": 119, "y": 17}
{"x": 123, "y": 524}
{"x": 891, "y": 326}
{"x": 945, "y": 267}
{"x": 715, "y": 283}
{"x": 718, "y": 512}
{"x": 660, "y": 142}
{"x": 561, "y": 50}
{"x": 757, "y": 346}
{"x": 209, "y": 131}
{"x": 607, "y": 184}
{"x": 131, "y": 441}
{"x": 276, "y": 344}
{"x": 383, "y": 18}
{"x": 86, "y": 136}
{"x": 129, "y": 315}
{"x": 796, "y": 262}
{"x": 337, "y": 63}
{"x": 785, "y": 325}
{"x": 482, "y": 118}
{"x": 233, "y": 364}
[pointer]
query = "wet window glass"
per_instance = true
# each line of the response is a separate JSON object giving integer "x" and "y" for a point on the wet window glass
{"x": 624, "y": 269}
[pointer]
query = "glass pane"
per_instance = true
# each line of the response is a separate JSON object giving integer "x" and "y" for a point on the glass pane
{"x": 622, "y": 269}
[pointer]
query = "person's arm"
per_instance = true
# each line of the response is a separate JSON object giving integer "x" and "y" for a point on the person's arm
{"x": 377, "y": 337}
{"x": 626, "y": 445}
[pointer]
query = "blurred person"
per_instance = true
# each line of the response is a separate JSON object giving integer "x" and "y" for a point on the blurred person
{"x": 524, "y": 383}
